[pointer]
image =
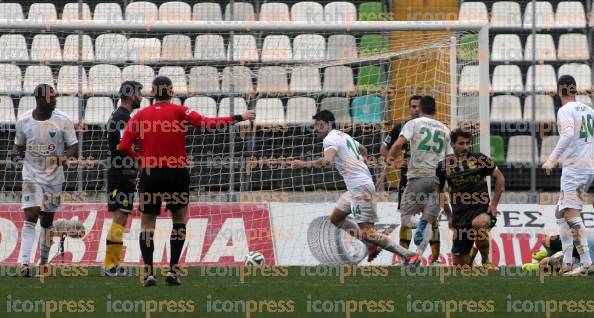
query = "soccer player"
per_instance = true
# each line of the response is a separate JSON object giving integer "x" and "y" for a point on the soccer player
{"x": 42, "y": 134}
{"x": 553, "y": 253}
{"x": 429, "y": 142}
{"x": 575, "y": 122}
{"x": 472, "y": 213}
{"x": 164, "y": 176}
{"x": 348, "y": 156}
{"x": 121, "y": 179}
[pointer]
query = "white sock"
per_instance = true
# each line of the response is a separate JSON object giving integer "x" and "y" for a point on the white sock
{"x": 427, "y": 235}
{"x": 581, "y": 241}
{"x": 383, "y": 242}
{"x": 27, "y": 238}
{"x": 45, "y": 243}
{"x": 566, "y": 241}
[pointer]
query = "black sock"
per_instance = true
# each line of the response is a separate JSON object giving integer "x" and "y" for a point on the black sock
{"x": 177, "y": 239}
{"x": 146, "y": 248}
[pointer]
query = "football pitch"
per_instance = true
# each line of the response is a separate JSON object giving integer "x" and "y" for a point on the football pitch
{"x": 370, "y": 291}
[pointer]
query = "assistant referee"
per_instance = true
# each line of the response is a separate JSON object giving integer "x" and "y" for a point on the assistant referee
{"x": 160, "y": 129}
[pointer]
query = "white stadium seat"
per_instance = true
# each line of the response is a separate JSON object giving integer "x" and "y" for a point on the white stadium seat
{"x": 242, "y": 11}
{"x": 7, "y": 110}
{"x": 277, "y": 48}
{"x": 144, "y": 50}
{"x": 469, "y": 80}
{"x": 176, "y": 47}
{"x": 309, "y": 48}
{"x": 11, "y": 11}
{"x": 142, "y": 11}
{"x": 338, "y": 79}
{"x": 175, "y": 11}
{"x": 210, "y": 47}
{"x": 178, "y": 77}
{"x": 104, "y": 79}
{"x": 580, "y": 72}
{"x": 545, "y": 18}
{"x": 42, "y": 12}
{"x": 143, "y": 74}
{"x": 546, "y": 80}
{"x": 240, "y": 76}
{"x": 204, "y": 80}
{"x": 69, "y": 79}
{"x": 35, "y": 75}
{"x": 71, "y": 49}
{"x": 585, "y": 99}
{"x": 305, "y": 79}
{"x": 545, "y": 48}
{"x": 70, "y": 12}
{"x": 10, "y": 79}
{"x": 340, "y": 12}
{"x": 545, "y": 108}
{"x": 111, "y": 48}
{"x": 109, "y": 11}
{"x": 506, "y": 108}
{"x": 207, "y": 11}
{"x": 570, "y": 15}
{"x": 341, "y": 47}
{"x": 507, "y": 48}
{"x": 307, "y": 11}
{"x": 506, "y": 14}
{"x": 340, "y": 106}
{"x": 69, "y": 105}
{"x": 548, "y": 145}
{"x": 239, "y": 106}
{"x": 13, "y": 48}
{"x": 519, "y": 149}
{"x": 272, "y": 80}
{"x": 46, "y": 48}
{"x": 270, "y": 111}
{"x": 473, "y": 11}
{"x": 26, "y": 103}
{"x": 573, "y": 46}
{"x": 274, "y": 11}
{"x": 300, "y": 110}
{"x": 206, "y": 106}
{"x": 244, "y": 48}
{"x": 98, "y": 110}
{"x": 507, "y": 79}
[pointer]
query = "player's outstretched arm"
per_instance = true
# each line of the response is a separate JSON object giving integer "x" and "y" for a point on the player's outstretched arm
{"x": 197, "y": 120}
{"x": 322, "y": 162}
{"x": 499, "y": 186}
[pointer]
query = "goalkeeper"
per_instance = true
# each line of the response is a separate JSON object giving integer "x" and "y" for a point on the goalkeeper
{"x": 164, "y": 176}
{"x": 552, "y": 255}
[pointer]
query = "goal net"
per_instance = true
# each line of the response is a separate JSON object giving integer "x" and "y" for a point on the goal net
{"x": 244, "y": 194}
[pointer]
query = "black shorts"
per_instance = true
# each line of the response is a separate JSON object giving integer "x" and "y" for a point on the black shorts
{"x": 171, "y": 185}
{"x": 121, "y": 186}
{"x": 464, "y": 234}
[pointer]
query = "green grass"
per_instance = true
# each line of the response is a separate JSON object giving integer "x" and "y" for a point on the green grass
{"x": 388, "y": 289}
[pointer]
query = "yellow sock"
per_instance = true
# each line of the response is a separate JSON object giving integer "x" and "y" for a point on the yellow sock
{"x": 435, "y": 244}
{"x": 483, "y": 247}
{"x": 114, "y": 244}
{"x": 405, "y": 236}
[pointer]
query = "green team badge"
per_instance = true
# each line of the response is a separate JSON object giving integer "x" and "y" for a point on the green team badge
{"x": 52, "y": 134}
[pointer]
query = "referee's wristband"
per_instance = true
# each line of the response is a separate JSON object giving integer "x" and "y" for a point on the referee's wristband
{"x": 237, "y": 118}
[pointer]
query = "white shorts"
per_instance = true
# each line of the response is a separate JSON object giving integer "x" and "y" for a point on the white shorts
{"x": 45, "y": 196}
{"x": 360, "y": 203}
{"x": 573, "y": 187}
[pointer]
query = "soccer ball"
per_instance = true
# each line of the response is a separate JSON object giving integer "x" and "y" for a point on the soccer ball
{"x": 254, "y": 259}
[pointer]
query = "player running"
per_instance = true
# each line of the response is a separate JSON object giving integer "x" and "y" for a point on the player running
{"x": 348, "y": 156}
{"x": 575, "y": 122}
{"x": 121, "y": 179}
{"x": 429, "y": 142}
{"x": 472, "y": 214}
{"x": 41, "y": 136}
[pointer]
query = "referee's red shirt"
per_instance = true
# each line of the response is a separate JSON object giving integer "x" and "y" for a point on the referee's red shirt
{"x": 161, "y": 131}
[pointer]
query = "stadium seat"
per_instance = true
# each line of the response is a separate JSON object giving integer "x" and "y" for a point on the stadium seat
{"x": 13, "y": 48}
{"x": 497, "y": 149}
{"x": 111, "y": 48}
{"x": 307, "y": 11}
{"x": 367, "y": 109}
{"x": 144, "y": 50}
{"x": 507, "y": 48}
{"x": 341, "y": 47}
{"x": 46, "y": 48}
{"x": 11, "y": 11}
{"x": 545, "y": 48}
{"x": 574, "y": 47}
{"x": 69, "y": 105}
{"x": 10, "y": 79}
{"x": 210, "y": 47}
{"x": 580, "y": 72}
{"x": 142, "y": 12}
{"x": 241, "y": 77}
{"x": 300, "y": 110}
{"x": 7, "y": 110}
{"x": 104, "y": 79}
{"x": 506, "y": 108}
{"x": 26, "y": 103}
{"x": 178, "y": 78}
{"x": 277, "y": 48}
{"x": 545, "y": 108}
{"x": 372, "y": 11}
{"x": 473, "y": 11}
{"x": 204, "y": 80}
{"x": 372, "y": 44}
{"x": 570, "y": 15}
{"x": 547, "y": 146}
{"x": 519, "y": 149}
{"x": 545, "y": 18}
{"x": 274, "y": 11}
{"x": 109, "y": 11}
{"x": 469, "y": 80}
{"x": 176, "y": 47}
{"x": 468, "y": 108}
{"x": 98, "y": 110}
{"x": 506, "y": 14}
{"x": 35, "y": 75}
{"x": 507, "y": 79}
{"x": 69, "y": 79}
{"x": 207, "y": 11}
{"x": 175, "y": 11}
{"x": 244, "y": 48}
{"x": 242, "y": 11}
{"x": 309, "y": 48}
{"x": 143, "y": 74}
{"x": 42, "y": 12}
{"x": 270, "y": 111}
{"x": 339, "y": 106}
{"x": 370, "y": 78}
{"x": 272, "y": 80}
{"x": 305, "y": 79}
{"x": 584, "y": 99}
{"x": 239, "y": 106}
{"x": 338, "y": 79}
{"x": 340, "y": 12}
{"x": 206, "y": 106}
{"x": 70, "y": 12}
{"x": 71, "y": 49}
{"x": 546, "y": 80}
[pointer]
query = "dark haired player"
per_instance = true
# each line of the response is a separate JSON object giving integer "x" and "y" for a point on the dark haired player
{"x": 472, "y": 213}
